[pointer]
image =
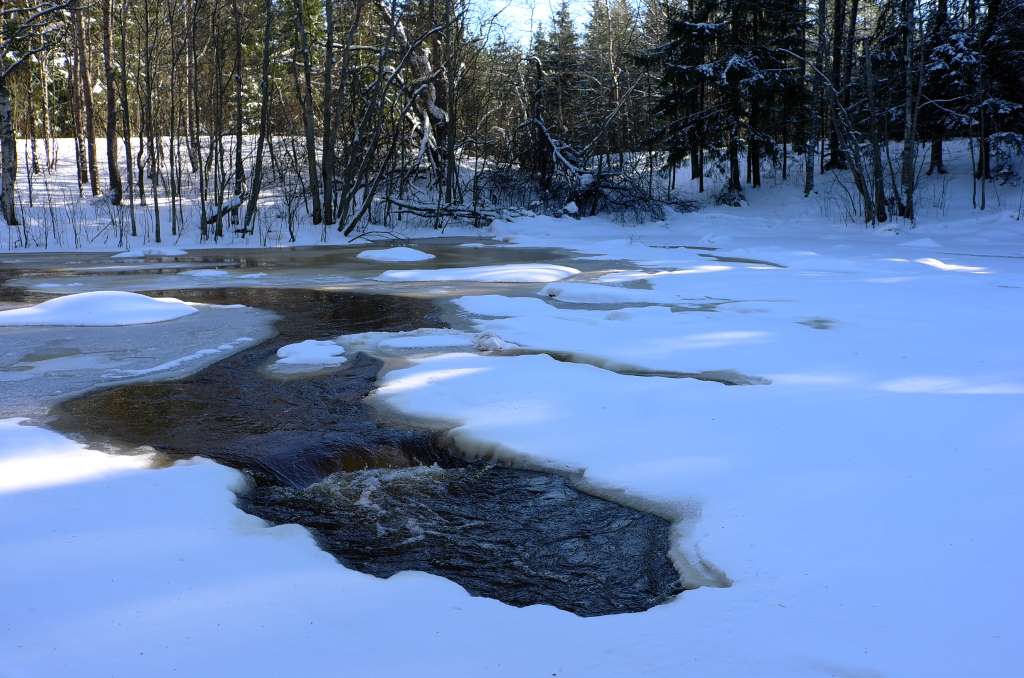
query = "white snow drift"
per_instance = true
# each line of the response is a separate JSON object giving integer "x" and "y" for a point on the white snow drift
{"x": 97, "y": 309}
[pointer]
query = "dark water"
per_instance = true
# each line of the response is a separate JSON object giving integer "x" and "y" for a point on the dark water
{"x": 380, "y": 498}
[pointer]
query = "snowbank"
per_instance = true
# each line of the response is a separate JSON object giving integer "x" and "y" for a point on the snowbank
{"x": 98, "y": 309}
{"x": 509, "y": 273}
{"x": 395, "y": 254}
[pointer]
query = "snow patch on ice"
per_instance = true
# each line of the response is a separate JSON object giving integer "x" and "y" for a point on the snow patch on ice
{"x": 150, "y": 251}
{"x": 311, "y": 353}
{"x": 944, "y": 266}
{"x": 205, "y": 273}
{"x": 630, "y": 276}
{"x": 953, "y": 386}
{"x": 507, "y": 273}
{"x": 98, "y": 309}
{"x": 395, "y": 254}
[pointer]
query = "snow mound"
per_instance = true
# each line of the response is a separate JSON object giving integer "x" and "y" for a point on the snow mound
{"x": 488, "y": 342}
{"x": 204, "y": 273}
{"x": 311, "y": 353}
{"x": 150, "y": 251}
{"x": 395, "y": 254}
{"x": 508, "y": 273}
{"x": 98, "y": 309}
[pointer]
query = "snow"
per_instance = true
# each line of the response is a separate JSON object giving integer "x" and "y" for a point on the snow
{"x": 395, "y": 254}
{"x": 508, "y": 273}
{"x": 311, "y": 352}
{"x": 98, "y": 309}
{"x": 150, "y": 251}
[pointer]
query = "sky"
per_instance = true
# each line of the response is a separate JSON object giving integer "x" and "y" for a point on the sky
{"x": 522, "y": 16}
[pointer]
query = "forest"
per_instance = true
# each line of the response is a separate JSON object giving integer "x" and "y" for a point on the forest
{"x": 217, "y": 115}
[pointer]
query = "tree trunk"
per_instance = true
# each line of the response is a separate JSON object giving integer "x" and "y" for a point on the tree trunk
{"x": 239, "y": 168}
{"x": 327, "y": 165}
{"x": 126, "y": 115}
{"x": 307, "y": 111}
{"x": 880, "y": 213}
{"x": 196, "y": 149}
{"x": 85, "y": 87}
{"x": 257, "y": 169}
{"x": 81, "y": 164}
{"x": 113, "y": 172}
{"x": 935, "y": 163}
{"x": 44, "y": 85}
{"x": 908, "y": 168}
{"x": 8, "y": 157}
{"x": 150, "y": 131}
{"x": 816, "y": 102}
{"x": 835, "y": 153}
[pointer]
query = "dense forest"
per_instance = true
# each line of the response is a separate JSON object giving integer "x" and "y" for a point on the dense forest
{"x": 352, "y": 113}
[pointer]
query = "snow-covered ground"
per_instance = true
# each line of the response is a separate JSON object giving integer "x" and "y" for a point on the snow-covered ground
{"x": 852, "y": 509}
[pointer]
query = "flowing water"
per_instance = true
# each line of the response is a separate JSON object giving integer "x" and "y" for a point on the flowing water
{"x": 380, "y": 497}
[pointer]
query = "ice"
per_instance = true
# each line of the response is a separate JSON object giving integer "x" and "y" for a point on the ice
{"x": 98, "y": 309}
{"x": 227, "y": 347}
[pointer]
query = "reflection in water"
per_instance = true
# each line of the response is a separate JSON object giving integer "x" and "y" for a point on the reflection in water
{"x": 379, "y": 498}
